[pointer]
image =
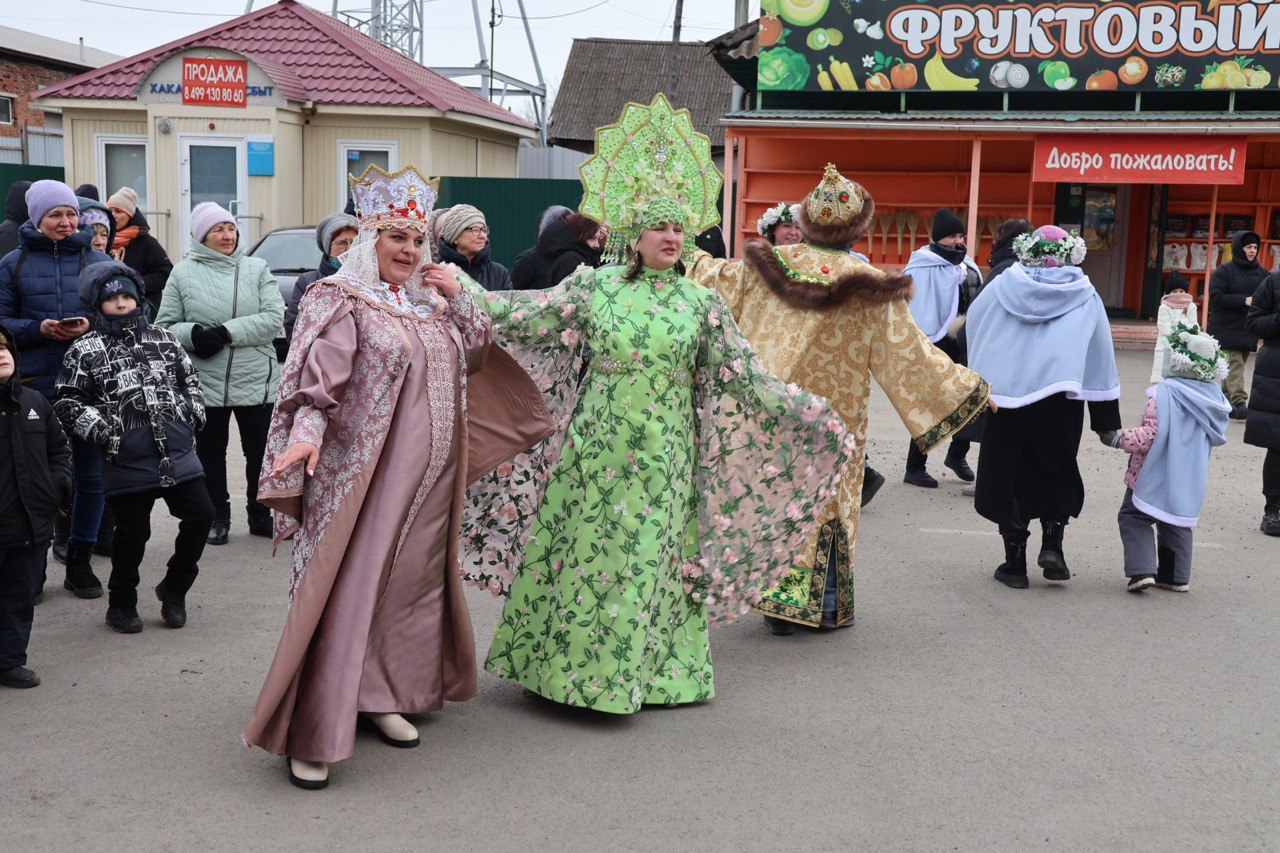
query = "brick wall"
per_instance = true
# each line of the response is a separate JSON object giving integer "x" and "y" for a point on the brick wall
{"x": 19, "y": 78}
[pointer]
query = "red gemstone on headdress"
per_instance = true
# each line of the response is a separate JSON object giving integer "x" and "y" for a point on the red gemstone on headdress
{"x": 413, "y": 205}
{"x": 826, "y": 269}
{"x": 391, "y": 205}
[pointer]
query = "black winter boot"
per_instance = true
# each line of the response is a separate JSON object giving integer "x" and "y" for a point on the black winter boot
{"x": 872, "y": 480}
{"x": 80, "y": 577}
{"x": 1051, "y": 558}
{"x": 61, "y": 530}
{"x": 1013, "y": 571}
{"x": 1271, "y": 522}
{"x": 106, "y": 532}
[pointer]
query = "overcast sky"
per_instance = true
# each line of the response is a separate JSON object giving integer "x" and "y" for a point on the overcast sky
{"x": 127, "y": 27}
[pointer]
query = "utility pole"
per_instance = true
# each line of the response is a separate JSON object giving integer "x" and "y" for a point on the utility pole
{"x": 675, "y": 47}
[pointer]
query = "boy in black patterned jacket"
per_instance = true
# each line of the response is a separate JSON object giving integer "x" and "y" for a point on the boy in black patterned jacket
{"x": 130, "y": 388}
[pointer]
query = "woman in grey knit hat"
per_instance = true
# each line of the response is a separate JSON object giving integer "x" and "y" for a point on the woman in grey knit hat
{"x": 333, "y": 235}
{"x": 464, "y": 240}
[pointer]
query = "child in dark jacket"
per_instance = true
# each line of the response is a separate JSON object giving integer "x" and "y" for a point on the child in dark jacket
{"x": 130, "y": 388}
{"x": 1185, "y": 418}
{"x": 35, "y": 478}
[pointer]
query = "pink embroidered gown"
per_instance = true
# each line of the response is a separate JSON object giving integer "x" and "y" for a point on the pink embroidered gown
{"x": 378, "y": 621}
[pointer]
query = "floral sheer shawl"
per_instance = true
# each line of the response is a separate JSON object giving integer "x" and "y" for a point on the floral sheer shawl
{"x": 769, "y": 455}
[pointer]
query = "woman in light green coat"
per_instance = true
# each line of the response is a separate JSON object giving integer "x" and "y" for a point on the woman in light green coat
{"x": 226, "y": 309}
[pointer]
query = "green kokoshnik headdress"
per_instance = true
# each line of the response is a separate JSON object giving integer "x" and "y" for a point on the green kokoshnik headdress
{"x": 650, "y": 166}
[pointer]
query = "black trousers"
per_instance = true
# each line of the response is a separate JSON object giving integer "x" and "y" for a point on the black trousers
{"x": 211, "y": 446}
{"x": 189, "y": 503}
{"x": 959, "y": 447}
{"x": 1271, "y": 478}
{"x": 21, "y": 573}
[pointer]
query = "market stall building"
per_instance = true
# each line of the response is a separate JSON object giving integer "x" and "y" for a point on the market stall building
{"x": 1152, "y": 128}
{"x": 266, "y": 115}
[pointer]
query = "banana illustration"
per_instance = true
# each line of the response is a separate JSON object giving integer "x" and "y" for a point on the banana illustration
{"x": 941, "y": 78}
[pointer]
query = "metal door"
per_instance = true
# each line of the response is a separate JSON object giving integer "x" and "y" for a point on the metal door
{"x": 1105, "y": 218}
{"x": 213, "y": 169}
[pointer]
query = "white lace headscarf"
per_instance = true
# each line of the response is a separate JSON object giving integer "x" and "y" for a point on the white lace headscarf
{"x": 360, "y": 270}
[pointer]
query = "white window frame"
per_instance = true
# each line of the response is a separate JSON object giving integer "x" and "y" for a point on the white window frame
{"x": 391, "y": 146}
{"x": 100, "y": 143}
{"x": 13, "y": 105}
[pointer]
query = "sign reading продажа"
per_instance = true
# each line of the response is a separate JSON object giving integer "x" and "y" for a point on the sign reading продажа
{"x": 1140, "y": 159}
{"x": 214, "y": 82}
{"x": 889, "y": 45}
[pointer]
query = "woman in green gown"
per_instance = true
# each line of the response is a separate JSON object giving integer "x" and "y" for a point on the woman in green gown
{"x": 682, "y": 477}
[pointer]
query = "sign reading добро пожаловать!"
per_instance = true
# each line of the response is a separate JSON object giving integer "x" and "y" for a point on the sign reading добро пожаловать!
{"x": 890, "y": 45}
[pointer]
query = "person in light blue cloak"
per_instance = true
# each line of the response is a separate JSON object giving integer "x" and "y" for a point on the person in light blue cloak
{"x": 946, "y": 279}
{"x": 1186, "y": 417}
{"x": 1039, "y": 334}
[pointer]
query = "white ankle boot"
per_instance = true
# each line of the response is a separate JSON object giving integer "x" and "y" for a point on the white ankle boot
{"x": 395, "y": 729}
{"x": 311, "y": 775}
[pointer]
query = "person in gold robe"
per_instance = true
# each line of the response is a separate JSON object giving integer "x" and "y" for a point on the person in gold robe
{"x": 827, "y": 321}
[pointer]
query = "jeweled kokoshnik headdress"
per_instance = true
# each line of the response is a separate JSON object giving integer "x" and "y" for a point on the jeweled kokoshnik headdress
{"x": 650, "y": 166}
{"x": 402, "y": 199}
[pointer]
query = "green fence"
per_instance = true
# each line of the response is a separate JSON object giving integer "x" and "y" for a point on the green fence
{"x": 10, "y": 172}
{"x": 511, "y": 206}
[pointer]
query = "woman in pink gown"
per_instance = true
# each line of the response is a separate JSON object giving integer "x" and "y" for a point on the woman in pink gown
{"x": 392, "y": 400}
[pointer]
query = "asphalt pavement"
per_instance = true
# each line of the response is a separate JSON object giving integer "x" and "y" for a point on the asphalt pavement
{"x": 956, "y": 714}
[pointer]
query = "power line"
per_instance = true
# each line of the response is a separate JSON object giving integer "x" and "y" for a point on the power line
{"x": 159, "y": 11}
{"x": 564, "y": 14}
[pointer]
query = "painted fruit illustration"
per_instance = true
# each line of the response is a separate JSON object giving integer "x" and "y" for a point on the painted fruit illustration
{"x": 781, "y": 68}
{"x": 768, "y": 6}
{"x": 940, "y": 78}
{"x": 1056, "y": 72}
{"x": 835, "y": 37}
{"x": 1258, "y": 77}
{"x": 1134, "y": 71}
{"x": 1018, "y": 75}
{"x": 878, "y": 82}
{"x": 802, "y": 13}
{"x": 904, "y": 76}
{"x": 817, "y": 40}
{"x": 770, "y": 29}
{"x": 999, "y": 75}
{"x": 1102, "y": 80}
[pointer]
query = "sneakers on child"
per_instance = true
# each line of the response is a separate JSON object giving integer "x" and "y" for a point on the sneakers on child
{"x": 1174, "y": 587}
{"x": 124, "y": 620}
{"x": 173, "y": 607}
{"x": 1141, "y": 583}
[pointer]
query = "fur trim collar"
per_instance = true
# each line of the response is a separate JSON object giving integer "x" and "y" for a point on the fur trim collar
{"x": 802, "y": 291}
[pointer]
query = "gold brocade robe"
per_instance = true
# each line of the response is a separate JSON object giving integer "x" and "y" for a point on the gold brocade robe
{"x": 829, "y": 322}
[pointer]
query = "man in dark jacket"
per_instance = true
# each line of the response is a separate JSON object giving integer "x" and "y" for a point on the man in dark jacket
{"x": 130, "y": 388}
{"x": 1230, "y": 292}
{"x": 1003, "y": 255}
{"x": 1262, "y": 429}
{"x": 133, "y": 245}
{"x": 35, "y": 478}
{"x": 15, "y": 213}
{"x": 464, "y": 240}
{"x": 564, "y": 245}
{"x": 334, "y": 235}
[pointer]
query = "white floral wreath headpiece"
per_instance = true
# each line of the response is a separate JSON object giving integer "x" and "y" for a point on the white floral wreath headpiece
{"x": 780, "y": 212}
{"x": 1195, "y": 355}
{"x": 1050, "y": 246}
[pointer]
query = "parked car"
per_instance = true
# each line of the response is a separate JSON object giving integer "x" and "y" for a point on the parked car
{"x": 289, "y": 252}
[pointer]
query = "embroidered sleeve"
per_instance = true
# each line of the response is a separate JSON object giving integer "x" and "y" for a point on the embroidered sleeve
{"x": 463, "y": 309}
{"x": 723, "y": 276}
{"x": 933, "y": 396}
{"x": 1140, "y": 438}
{"x": 323, "y": 382}
{"x": 536, "y": 317}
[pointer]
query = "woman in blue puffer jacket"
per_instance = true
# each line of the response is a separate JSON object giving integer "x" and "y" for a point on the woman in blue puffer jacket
{"x": 40, "y": 306}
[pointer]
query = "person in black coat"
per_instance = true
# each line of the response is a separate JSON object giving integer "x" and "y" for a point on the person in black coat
{"x": 129, "y": 388}
{"x": 1002, "y": 254}
{"x": 1230, "y": 290}
{"x": 133, "y": 245}
{"x": 35, "y": 479}
{"x": 333, "y": 235}
{"x": 464, "y": 240}
{"x": 567, "y": 243}
{"x": 15, "y": 213}
{"x": 89, "y": 191}
{"x": 1262, "y": 426}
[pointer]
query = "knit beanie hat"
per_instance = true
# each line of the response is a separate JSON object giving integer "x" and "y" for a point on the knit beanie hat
{"x": 88, "y": 191}
{"x": 945, "y": 224}
{"x": 94, "y": 216}
{"x": 44, "y": 196}
{"x": 1176, "y": 281}
{"x": 204, "y": 216}
{"x": 331, "y": 225}
{"x": 114, "y": 287}
{"x": 459, "y": 218}
{"x": 125, "y": 199}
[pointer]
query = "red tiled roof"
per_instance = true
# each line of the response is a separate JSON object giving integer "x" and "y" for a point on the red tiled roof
{"x": 322, "y": 60}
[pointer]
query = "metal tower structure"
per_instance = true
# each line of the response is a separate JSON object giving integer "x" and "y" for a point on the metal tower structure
{"x": 399, "y": 24}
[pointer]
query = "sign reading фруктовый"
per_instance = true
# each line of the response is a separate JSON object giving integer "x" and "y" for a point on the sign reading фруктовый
{"x": 996, "y": 46}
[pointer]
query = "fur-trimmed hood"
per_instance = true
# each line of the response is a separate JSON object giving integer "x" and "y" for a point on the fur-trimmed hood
{"x": 801, "y": 290}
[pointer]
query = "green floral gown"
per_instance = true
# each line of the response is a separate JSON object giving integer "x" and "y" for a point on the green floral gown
{"x": 669, "y": 499}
